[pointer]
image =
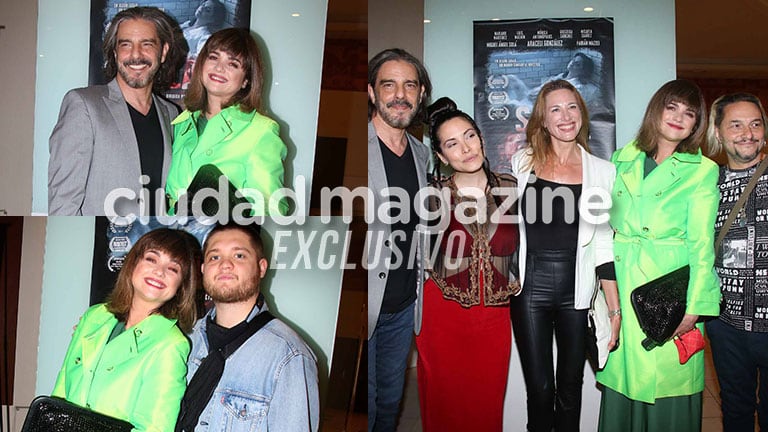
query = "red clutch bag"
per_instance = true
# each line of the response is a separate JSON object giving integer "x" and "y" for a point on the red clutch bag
{"x": 689, "y": 344}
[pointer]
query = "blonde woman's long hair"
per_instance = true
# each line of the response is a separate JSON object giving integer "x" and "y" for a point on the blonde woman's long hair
{"x": 539, "y": 139}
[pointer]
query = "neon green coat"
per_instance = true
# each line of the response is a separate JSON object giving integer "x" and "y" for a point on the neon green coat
{"x": 246, "y": 147}
{"x": 140, "y": 376}
{"x": 662, "y": 223}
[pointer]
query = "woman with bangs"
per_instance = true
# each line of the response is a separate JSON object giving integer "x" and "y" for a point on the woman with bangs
{"x": 127, "y": 358}
{"x": 664, "y": 204}
{"x": 223, "y": 125}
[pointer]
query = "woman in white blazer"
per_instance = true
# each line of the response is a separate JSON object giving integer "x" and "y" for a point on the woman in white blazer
{"x": 566, "y": 245}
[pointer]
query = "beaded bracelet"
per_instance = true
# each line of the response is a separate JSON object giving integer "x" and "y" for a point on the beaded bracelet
{"x": 613, "y": 313}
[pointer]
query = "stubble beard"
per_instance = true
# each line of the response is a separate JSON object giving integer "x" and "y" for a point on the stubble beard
{"x": 744, "y": 158}
{"x": 137, "y": 83}
{"x": 396, "y": 121}
{"x": 236, "y": 294}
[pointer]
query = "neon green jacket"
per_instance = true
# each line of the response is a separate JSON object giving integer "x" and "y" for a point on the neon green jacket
{"x": 140, "y": 376}
{"x": 246, "y": 147}
{"x": 662, "y": 222}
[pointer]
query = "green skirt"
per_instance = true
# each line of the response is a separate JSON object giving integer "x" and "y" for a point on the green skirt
{"x": 618, "y": 413}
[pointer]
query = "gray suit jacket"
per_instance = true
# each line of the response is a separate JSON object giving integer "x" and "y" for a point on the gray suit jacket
{"x": 380, "y": 244}
{"x": 94, "y": 151}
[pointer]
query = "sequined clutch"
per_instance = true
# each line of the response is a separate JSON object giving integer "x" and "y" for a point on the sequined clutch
{"x": 53, "y": 414}
{"x": 660, "y": 306}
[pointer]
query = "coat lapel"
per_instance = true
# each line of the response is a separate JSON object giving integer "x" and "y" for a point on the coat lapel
{"x": 377, "y": 178}
{"x": 220, "y": 128}
{"x": 132, "y": 341}
{"x": 420, "y": 156}
{"x": 165, "y": 121}
{"x": 127, "y": 145}
{"x": 632, "y": 176}
{"x": 669, "y": 172}
{"x": 96, "y": 338}
{"x": 586, "y": 230}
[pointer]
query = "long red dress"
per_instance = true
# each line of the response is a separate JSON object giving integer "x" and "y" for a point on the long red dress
{"x": 464, "y": 349}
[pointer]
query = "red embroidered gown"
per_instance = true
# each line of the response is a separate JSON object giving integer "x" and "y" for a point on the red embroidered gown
{"x": 464, "y": 349}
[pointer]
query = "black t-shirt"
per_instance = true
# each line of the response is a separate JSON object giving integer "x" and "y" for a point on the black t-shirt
{"x": 552, "y": 219}
{"x": 400, "y": 291}
{"x": 149, "y": 135}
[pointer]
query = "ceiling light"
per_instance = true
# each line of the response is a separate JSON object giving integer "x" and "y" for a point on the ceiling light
{"x": 427, "y": 21}
{"x": 295, "y": 14}
{"x": 589, "y": 9}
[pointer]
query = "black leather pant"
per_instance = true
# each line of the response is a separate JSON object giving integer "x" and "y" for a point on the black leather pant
{"x": 544, "y": 307}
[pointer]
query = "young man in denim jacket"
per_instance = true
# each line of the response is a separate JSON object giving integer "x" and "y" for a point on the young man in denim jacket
{"x": 269, "y": 383}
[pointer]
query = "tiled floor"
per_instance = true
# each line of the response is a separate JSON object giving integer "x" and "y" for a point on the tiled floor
{"x": 410, "y": 420}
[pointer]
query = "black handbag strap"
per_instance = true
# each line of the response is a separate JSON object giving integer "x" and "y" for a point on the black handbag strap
{"x": 208, "y": 374}
{"x": 740, "y": 203}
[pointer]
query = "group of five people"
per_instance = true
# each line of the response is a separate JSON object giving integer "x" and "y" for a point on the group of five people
{"x": 658, "y": 209}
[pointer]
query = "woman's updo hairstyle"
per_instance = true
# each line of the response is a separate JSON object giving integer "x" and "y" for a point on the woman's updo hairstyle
{"x": 441, "y": 111}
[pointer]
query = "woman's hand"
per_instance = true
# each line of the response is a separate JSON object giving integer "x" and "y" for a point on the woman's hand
{"x": 613, "y": 343}
{"x": 611, "y": 291}
{"x": 686, "y": 325}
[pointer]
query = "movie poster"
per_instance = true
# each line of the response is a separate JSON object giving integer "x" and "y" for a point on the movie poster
{"x": 514, "y": 58}
{"x": 197, "y": 19}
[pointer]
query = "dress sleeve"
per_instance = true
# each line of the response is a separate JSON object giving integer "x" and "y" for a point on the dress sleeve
{"x": 606, "y": 271}
{"x": 704, "y": 286}
{"x": 266, "y": 158}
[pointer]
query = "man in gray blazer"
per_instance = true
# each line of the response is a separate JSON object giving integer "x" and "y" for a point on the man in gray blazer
{"x": 398, "y": 90}
{"x": 111, "y": 141}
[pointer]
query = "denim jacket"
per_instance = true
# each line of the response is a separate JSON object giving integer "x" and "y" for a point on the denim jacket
{"x": 269, "y": 383}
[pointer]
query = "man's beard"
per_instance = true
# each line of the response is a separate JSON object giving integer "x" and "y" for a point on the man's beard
{"x": 743, "y": 157}
{"x": 125, "y": 73}
{"x": 235, "y": 294}
{"x": 395, "y": 121}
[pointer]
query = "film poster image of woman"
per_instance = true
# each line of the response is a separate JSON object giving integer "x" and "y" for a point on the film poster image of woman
{"x": 514, "y": 59}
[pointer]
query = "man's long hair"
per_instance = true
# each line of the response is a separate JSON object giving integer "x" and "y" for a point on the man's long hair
{"x": 168, "y": 32}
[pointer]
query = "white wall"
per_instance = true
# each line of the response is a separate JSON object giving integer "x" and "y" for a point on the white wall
{"x": 644, "y": 34}
{"x": 292, "y": 47}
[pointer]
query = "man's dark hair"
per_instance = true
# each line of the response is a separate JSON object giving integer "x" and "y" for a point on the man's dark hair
{"x": 399, "y": 54}
{"x": 253, "y": 231}
{"x": 168, "y": 32}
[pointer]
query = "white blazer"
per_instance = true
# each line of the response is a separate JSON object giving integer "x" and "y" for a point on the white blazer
{"x": 595, "y": 237}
